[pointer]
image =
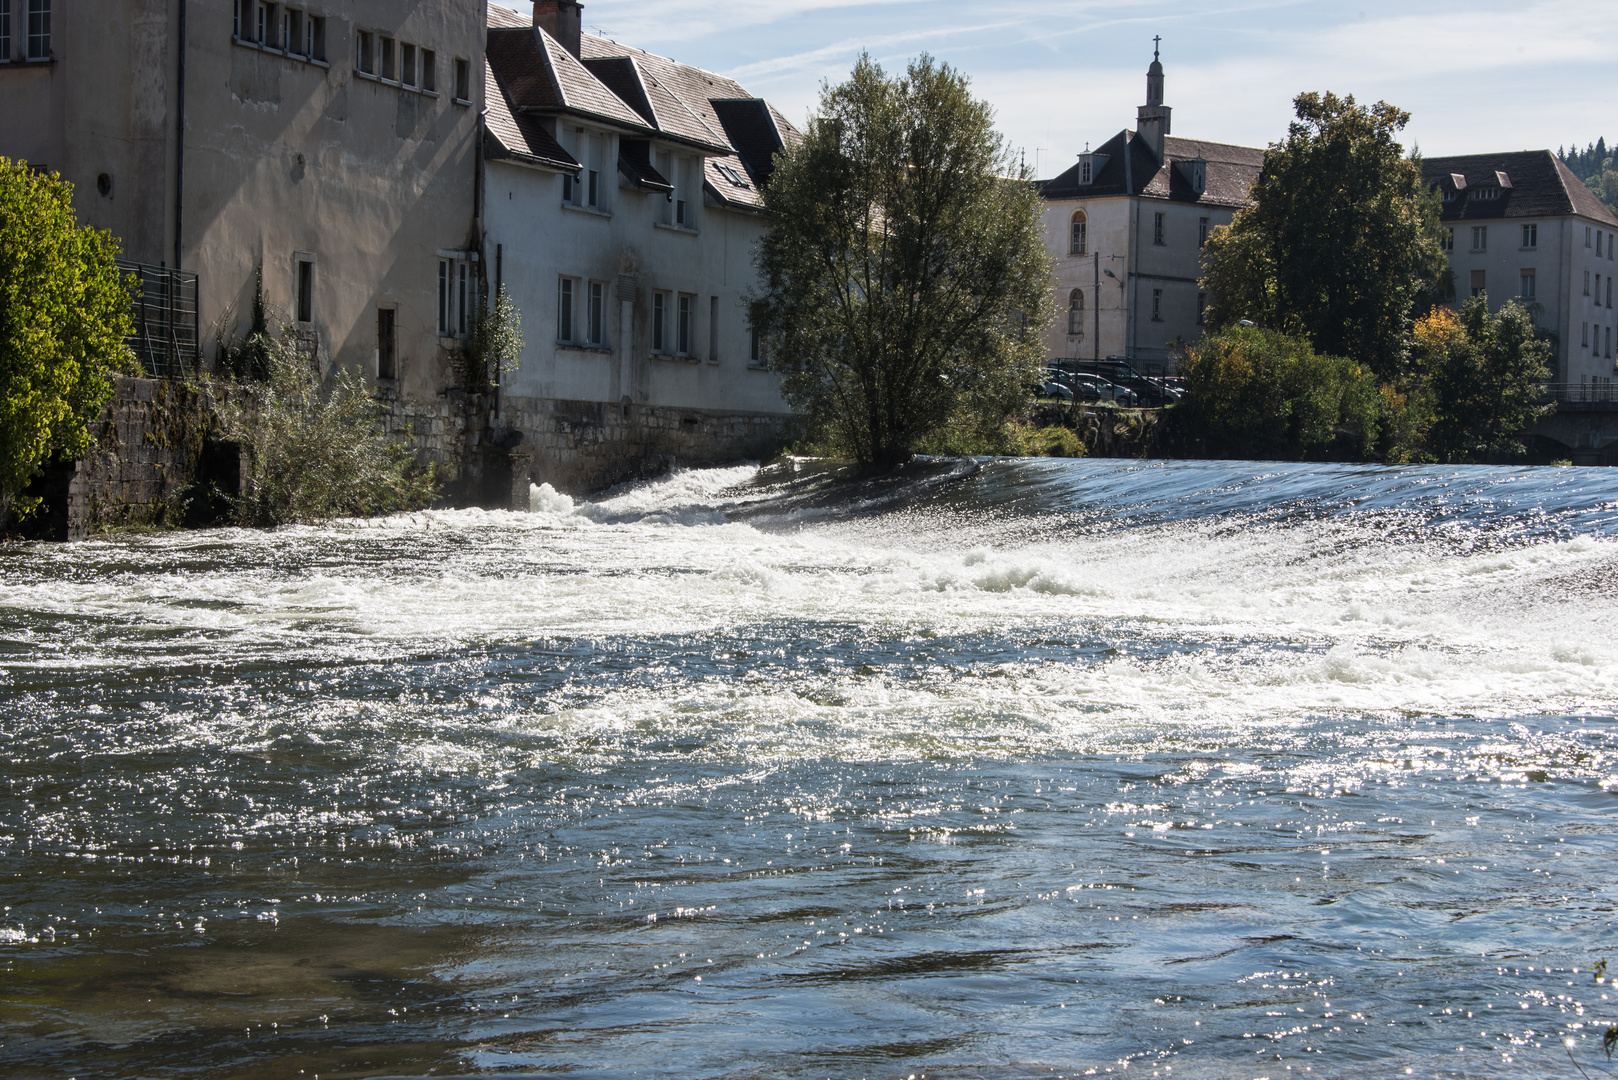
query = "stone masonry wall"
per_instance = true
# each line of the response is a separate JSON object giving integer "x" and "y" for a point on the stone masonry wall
{"x": 582, "y": 446}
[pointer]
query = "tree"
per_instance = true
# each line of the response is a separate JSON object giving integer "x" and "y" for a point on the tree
{"x": 1340, "y": 241}
{"x": 1252, "y": 392}
{"x": 1485, "y": 373}
{"x": 64, "y": 314}
{"x": 905, "y": 278}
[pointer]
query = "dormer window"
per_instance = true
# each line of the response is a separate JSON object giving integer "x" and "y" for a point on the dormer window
{"x": 1195, "y": 173}
{"x": 729, "y": 172}
{"x": 1090, "y": 166}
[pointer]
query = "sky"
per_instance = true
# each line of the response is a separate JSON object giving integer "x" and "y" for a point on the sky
{"x": 1476, "y": 75}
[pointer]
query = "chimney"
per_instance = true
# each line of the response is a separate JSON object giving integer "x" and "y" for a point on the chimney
{"x": 562, "y": 20}
{"x": 1152, "y": 118}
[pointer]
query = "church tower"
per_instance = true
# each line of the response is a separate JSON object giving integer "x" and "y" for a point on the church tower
{"x": 1152, "y": 118}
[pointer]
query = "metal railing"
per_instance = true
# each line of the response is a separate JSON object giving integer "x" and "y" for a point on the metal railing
{"x": 164, "y": 307}
{"x": 1577, "y": 393}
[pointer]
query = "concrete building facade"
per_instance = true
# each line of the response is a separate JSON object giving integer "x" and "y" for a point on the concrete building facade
{"x": 624, "y": 205}
{"x": 1522, "y": 226}
{"x": 1126, "y": 226}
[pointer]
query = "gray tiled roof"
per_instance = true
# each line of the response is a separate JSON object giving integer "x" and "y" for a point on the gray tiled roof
{"x": 505, "y": 17}
{"x": 1229, "y": 174}
{"x": 1538, "y": 185}
{"x": 521, "y": 137}
{"x": 536, "y": 72}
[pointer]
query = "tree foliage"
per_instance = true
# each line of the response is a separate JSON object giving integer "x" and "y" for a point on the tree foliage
{"x": 1252, "y": 392}
{"x": 316, "y": 451}
{"x": 1597, "y": 167}
{"x": 1484, "y": 372}
{"x": 905, "y": 278}
{"x": 1341, "y": 239}
{"x": 497, "y": 341}
{"x": 64, "y": 314}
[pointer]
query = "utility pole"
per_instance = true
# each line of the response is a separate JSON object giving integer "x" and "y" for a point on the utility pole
{"x": 1095, "y": 342}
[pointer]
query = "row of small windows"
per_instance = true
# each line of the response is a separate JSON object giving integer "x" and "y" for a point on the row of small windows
{"x": 1611, "y": 240}
{"x": 1598, "y": 288}
{"x": 673, "y": 320}
{"x": 276, "y": 26}
{"x": 406, "y": 64}
{"x": 36, "y": 35}
{"x": 1593, "y": 341}
{"x": 1078, "y": 236}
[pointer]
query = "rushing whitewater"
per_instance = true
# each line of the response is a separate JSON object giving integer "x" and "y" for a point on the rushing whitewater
{"x": 1029, "y": 768}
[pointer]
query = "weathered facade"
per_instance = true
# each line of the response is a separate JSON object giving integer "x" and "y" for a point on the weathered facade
{"x": 623, "y": 208}
{"x": 1522, "y": 226}
{"x": 1126, "y": 227}
{"x": 332, "y": 144}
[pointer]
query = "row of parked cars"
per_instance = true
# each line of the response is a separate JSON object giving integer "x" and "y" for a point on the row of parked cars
{"x": 1108, "y": 380}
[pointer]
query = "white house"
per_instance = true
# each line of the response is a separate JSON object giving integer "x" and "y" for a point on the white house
{"x": 1126, "y": 226}
{"x": 1521, "y": 225}
{"x": 623, "y": 204}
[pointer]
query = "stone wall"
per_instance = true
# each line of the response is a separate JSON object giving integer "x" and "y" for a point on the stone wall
{"x": 582, "y": 446}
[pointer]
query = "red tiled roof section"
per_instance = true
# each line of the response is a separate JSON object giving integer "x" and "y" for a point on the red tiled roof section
{"x": 1540, "y": 186}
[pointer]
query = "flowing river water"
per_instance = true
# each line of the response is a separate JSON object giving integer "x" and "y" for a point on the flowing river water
{"x": 999, "y": 770}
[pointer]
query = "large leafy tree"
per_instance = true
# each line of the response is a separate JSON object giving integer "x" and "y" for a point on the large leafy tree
{"x": 1484, "y": 373}
{"x": 64, "y": 313}
{"x": 1341, "y": 238}
{"x": 904, "y": 276}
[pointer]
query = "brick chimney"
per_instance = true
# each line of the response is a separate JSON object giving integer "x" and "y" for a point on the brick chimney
{"x": 562, "y": 20}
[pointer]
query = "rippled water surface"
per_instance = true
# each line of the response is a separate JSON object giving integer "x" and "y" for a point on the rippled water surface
{"x": 1025, "y": 769}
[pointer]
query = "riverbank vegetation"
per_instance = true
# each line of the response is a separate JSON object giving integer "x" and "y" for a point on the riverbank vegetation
{"x": 905, "y": 284}
{"x": 64, "y": 314}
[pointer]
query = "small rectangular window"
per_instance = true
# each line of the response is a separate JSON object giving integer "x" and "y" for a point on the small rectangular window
{"x": 463, "y": 308}
{"x": 365, "y": 52}
{"x": 569, "y": 186}
{"x": 755, "y": 349}
{"x": 387, "y": 359}
{"x": 5, "y": 21}
{"x": 314, "y": 32}
{"x": 679, "y": 211}
{"x": 306, "y": 291}
{"x": 1527, "y": 281}
{"x": 1530, "y": 236}
{"x": 266, "y": 25}
{"x": 1480, "y": 238}
{"x": 1157, "y": 305}
{"x": 291, "y": 30}
{"x": 1609, "y": 343}
{"x": 594, "y": 193}
{"x": 429, "y": 71}
{"x": 1587, "y": 283}
{"x": 598, "y": 309}
{"x": 1079, "y": 241}
{"x": 1598, "y": 243}
{"x": 444, "y": 271}
{"x": 1084, "y": 171}
{"x": 463, "y": 81}
{"x": 1587, "y": 230}
{"x": 1609, "y": 290}
{"x": 1585, "y": 343}
{"x": 407, "y": 64}
{"x": 713, "y": 329}
{"x": 1202, "y": 239}
{"x": 684, "y": 345}
{"x": 1478, "y": 283}
{"x": 1157, "y": 228}
{"x": 385, "y": 55}
{"x": 564, "y": 310}
{"x": 659, "y": 317}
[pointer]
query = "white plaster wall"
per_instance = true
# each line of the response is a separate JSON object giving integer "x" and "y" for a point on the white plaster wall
{"x": 540, "y": 240}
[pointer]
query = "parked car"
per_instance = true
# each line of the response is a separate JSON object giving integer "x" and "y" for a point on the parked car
{"x": 1055, "y": 390}
{"x": 1095, "y": 388}
{"x": 1122, "y": 373}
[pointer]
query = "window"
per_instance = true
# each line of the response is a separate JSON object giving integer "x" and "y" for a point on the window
{"x": 593, "y": 194}
{"x": 1157, "y": 305}
{"x": 387, "y": 359}
{"x": 463, "y": 312}
{"x": 1587, "y": 283}
{"x": 235, "y": 20}
{"x": 1598, "y": 243}
{"x": 386, "y": 57}
{"x": 264, "y": 33}
{"x": 1478, "y": 286}
{"x": 564, "y": 310}
{"x": 1480, "y": 238}
{"x": 5, "y": 30}
{"x": 679, "y": 212}
{"x": 39, "y": 29}
{"x": 1530, "y": 236}
{"x": 684, "y": 328}
{"x": 407, "y": 64}
{"x": 429, "y": 71}
{"x": 755, "y": 352}
{"x": 1609, "y": 343}
{"x": 291, "y": 30}
{"x": 1084, "y": 170}
{"x": 306, "y": 290}
{"x": 1585, "y": 342}
{"x": 1202, "y": 232}
{"x": 445, "y": 270}
{"x": 1447, "y": 240}
{"x": 365, "y": 52}
{"x": 1598, "y": 290}
{"x": 1078, "y": 244}
{"x": 463, "y": 81}
{"x": 570, "y": 187}
{"x": 595, "y": 331}
{"x": 1157, "y": 228}
{"x": 1609, "y": 290}
{"x": 660, "y": 313}
{"x": 713, "y": 329}
{"x": 1527, "y": 280}
{"x": 314, "y": 36}
{"x": 1202, "y": 309}
{"x": 1587, "y": 236}
{"x": 1075, "y": 313}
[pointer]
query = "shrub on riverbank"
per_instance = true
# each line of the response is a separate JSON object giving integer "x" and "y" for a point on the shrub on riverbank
{"x": 1483, "y": 372}
{"x": 1257, "y": 393}
{"x": 316, "y": 450}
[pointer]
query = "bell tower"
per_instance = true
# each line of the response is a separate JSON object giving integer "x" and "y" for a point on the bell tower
{"x": 1152, "y": 118}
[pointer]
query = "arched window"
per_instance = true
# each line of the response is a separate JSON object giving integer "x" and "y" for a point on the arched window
{"x": 1075, "y": 311}
{"x": 1078, "y": 245}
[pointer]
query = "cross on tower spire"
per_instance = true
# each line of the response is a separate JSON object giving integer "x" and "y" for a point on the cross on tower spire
{"x": 1156, "y": 39}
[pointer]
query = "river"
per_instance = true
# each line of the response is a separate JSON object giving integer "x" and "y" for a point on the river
{"x": 1014, "y": 769}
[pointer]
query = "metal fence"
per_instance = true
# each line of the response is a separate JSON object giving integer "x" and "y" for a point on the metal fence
{"x": 1582, "y": 393}
{"x": 165, "y": 313}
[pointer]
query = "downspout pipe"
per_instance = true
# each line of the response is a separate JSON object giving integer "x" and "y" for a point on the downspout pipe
{"x": 179, "y": 144}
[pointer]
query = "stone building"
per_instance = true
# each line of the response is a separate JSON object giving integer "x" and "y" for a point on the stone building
{"x": 1522, "y": 226}
{"x": 331, "y": 144}
{"x": 1126, "y": 226}
{"x": 623, "y": 209}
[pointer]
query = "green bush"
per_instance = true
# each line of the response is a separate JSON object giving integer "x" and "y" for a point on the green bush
{"x": 316, "y": 450}
{"x": 1258, "y": 393}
